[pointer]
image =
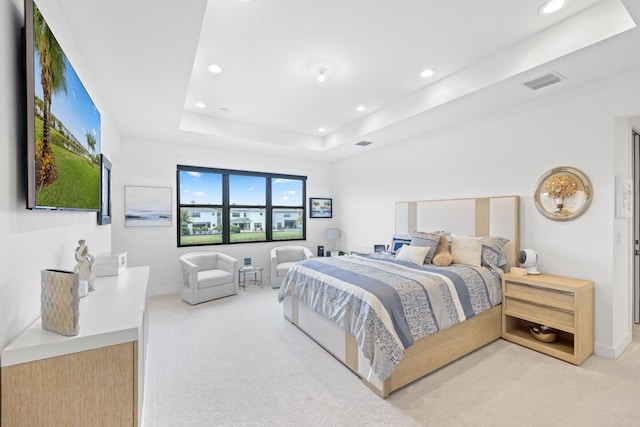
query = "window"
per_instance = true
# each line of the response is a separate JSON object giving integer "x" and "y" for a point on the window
{"x": 220, "y": 206}
{"x": 287, "y": 214}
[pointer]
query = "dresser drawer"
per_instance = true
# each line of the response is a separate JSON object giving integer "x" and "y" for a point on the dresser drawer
{"x": 534, "y": 292}
{"x": 552, "y": 316}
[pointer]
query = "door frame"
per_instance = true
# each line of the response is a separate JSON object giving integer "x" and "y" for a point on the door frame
{"x": 635, "y": 135}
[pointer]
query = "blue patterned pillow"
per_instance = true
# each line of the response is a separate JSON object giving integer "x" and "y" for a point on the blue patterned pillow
{"x": 492, "y": 254}
{"x": 397, "y": 241}
{"x": 431, "y": 240}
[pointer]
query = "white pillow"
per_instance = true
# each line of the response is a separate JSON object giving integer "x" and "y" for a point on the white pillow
{"x": 466, "y": 250}
{"x": 414, "y": 254}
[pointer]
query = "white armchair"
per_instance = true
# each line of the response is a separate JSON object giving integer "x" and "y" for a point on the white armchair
{"x": 282, "y": 258}
{"x": 207, "y": 276}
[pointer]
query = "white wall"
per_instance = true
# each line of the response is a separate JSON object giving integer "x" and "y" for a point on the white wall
{"x": 34, "y": 240}
{"x": 505, "y": 153}
{"x": 153, "y": 163}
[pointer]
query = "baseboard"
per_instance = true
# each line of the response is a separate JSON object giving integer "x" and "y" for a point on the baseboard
{"x": 615, "y": 351}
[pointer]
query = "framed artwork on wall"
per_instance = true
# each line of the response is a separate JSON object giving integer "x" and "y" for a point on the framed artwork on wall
{"x": 147, "y": 206}
{"x": 320, "y": 208}
{"x": 563, "y": 193}
{"x": 104, "y": 214}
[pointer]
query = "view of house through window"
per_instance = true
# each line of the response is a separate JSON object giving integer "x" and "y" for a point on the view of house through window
{"x": 219, "y": 206}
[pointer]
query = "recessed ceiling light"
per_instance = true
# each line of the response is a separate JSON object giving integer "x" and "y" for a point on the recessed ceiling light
{"x": 427, "y": 72}
{"x": 214, "y": 68}
{"x": 201, "y": 105}
{"x": 552, "y": 6}
{"x": 361, "y": 108}
{"x": 322, "y": 130}
{"x": 321, "y": 74}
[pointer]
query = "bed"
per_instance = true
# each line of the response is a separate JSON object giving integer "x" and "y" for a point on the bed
{"x": 432, "y": 316}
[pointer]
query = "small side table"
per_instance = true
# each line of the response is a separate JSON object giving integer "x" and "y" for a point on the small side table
{"x": 563, "y": 303}
{"x": 257, "y": 275}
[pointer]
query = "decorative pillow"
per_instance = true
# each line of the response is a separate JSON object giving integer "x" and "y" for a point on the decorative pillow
{"x": 492, "y": 251}
{"x": 443, "y": 255}
{"x": 466, "y": 250}
{"x": 502, "y": 259}
{"x": 431, "y": 240}
{"x": 414, "y": 254}
{"x": 397, "y": 240}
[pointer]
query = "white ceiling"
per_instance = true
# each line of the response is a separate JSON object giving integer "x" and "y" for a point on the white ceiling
{"x": 149, "y": 59}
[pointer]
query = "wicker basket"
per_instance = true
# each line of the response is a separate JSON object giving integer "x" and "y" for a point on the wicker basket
{"x": 60, "y": 302}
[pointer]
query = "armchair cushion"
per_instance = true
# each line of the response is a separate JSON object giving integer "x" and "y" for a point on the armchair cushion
{"x": 209, "y": 278}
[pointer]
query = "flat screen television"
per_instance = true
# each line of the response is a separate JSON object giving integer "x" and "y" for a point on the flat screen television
{"x": 63, "y": 125}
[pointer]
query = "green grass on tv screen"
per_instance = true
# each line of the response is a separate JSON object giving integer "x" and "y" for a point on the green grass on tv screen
{"x": 78, "y": 179}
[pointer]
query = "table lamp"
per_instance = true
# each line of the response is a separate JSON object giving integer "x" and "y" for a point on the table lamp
{"x": 332, "y": 234}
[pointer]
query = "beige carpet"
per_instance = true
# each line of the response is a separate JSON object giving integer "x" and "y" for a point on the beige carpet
{"x": 237, "y": 362}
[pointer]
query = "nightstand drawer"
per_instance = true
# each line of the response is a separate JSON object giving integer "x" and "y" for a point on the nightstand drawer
{"x": 552, "y": 316}
{"x": 534, "y": 292}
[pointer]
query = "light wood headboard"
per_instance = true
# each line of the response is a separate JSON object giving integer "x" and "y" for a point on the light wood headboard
{"x": 486, "y": 216}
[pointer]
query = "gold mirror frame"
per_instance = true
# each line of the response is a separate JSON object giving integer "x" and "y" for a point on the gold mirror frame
{"x": 563, "y": 193}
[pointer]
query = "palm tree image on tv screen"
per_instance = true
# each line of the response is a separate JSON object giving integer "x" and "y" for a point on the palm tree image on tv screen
{"x": 67, "y": 129}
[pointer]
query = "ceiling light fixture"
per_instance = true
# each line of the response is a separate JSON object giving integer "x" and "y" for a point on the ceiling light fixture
{"x": 214, "y": 68}
{"x": 361, "y": 108}
{"x": 201, "y": 105}
{"x": 322, "y": 130}
{"x": 321, "y": 76}
{"x": 552, "y": 6}
{"x": 427, "y": 72}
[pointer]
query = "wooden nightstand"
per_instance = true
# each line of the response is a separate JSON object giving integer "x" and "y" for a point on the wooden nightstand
{"x": 562, "y": 303}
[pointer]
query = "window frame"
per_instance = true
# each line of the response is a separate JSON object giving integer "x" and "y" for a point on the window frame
{"x": 226, "y": 207}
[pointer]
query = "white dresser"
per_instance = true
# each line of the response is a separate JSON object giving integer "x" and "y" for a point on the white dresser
{"x": 94, "y": 378}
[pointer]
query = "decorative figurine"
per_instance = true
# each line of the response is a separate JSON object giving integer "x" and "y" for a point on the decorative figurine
{"x": 84, "y": 268}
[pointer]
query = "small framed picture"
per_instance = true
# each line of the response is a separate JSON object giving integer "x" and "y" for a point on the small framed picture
{"x": 320, "y": 208}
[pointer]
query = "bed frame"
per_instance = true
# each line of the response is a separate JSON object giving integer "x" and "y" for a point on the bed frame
{"x": 495, "y": 216}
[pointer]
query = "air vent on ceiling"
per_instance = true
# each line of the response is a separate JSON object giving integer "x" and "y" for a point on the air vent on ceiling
{"x": 364, "y": 143}
{"x": 544, "y": 81}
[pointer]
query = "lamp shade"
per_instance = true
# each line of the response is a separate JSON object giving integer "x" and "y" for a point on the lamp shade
{"x": 332, "y": 234}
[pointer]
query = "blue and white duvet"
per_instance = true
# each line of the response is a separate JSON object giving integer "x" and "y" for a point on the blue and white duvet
{"x": 388, "y": 304}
